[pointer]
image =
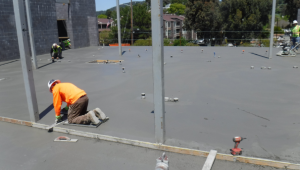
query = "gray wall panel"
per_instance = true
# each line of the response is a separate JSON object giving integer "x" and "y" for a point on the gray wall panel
{"x": 80, "y": 16}
{"x": 9, "y": 48}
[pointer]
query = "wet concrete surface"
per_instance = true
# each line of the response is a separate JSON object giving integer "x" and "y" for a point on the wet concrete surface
{"x": 218, "y": 99}
{"x": 33, "y": 149}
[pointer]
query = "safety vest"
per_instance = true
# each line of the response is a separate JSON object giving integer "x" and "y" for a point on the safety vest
{"x": 295, "y": 31}
{"x": 55, "y": 49}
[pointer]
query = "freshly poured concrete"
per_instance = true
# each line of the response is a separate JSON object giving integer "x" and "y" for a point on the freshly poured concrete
{"x": 33, "y": 149}
{"x": 217, "y": 100}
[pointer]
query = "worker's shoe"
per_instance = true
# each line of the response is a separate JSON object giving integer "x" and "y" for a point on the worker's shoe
{"x": 92, "y": 117}
{"x": 100, "y": 114}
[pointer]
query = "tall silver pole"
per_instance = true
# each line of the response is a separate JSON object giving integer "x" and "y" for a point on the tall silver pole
{"x": 31, "y": 36}
{"x": 158, "y": 69}
{"x": 25, "y": 59}
{"x": 272, "y": 29}
{"x": 119, "y": 28}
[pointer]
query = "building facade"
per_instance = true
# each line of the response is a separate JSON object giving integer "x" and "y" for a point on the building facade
{"x": 104, "y": 24}
{"x": 173, "y": 28}
{"x": 52, "y": 22}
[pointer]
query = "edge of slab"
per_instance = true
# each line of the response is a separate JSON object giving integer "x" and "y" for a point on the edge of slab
{"x": 156, "y": 146}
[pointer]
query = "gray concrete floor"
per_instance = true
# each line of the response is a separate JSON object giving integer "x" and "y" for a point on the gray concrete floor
{"x": 217, "y": 100}
{"x": 33, "y": 149}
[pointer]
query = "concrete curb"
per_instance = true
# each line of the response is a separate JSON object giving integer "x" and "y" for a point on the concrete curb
{"x": 226, "y": 157}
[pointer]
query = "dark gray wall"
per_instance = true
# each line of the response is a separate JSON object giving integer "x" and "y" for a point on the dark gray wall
{"x": 80, "y": 18}
{"x": 44, "y": 28}
{"x": 44, "y": 24}
{"x": 81, "y": 21}
{"x": 63, "y": 12}
{"x": 9, "y": 48}
{"x": 84, "y": 23}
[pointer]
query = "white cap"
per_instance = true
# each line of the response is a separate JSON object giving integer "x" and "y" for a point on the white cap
{"x": 54, "y": 44}
{"x": 295, "y": 22}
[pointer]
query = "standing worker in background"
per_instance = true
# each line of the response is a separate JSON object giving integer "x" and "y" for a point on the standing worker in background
{"x": 57, "y": 50}
{"x": 77, "y": 103}
{"x": 295, "y": 34}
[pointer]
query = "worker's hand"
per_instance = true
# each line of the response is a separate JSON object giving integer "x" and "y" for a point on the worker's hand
{"x": 58, "y": 119}
{"x": 64, "y": 110}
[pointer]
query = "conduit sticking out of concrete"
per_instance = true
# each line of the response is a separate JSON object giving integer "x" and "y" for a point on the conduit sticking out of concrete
{"x": 156, "y": 146}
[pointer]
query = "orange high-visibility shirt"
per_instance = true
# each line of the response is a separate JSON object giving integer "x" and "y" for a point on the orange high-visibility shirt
{"x": 65, "y": 92}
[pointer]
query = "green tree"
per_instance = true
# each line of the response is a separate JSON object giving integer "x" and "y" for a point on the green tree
{"x": 278, "y": 30}
{"x": 177, "y": 9}
{"x": 204, "y": 17}
{"x": 104, "y": 37}
{"x": 141, "y": 23}
{"x": 180, "y": 42}
{"x": 244, "y": 18}
{"x": 102, "y": 16}
{"x": 179, "y": 1}
{"x": 292, "y": 7}
{"x": 108, "y": 13}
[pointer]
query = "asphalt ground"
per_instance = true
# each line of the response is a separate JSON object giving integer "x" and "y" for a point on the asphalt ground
{"x": 219, "y": 96}
{"x": 34, "y": 149}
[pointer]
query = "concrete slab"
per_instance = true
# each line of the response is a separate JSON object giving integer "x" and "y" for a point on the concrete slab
{"x": 217, "y": 100}
{"x": 33, "y": 149}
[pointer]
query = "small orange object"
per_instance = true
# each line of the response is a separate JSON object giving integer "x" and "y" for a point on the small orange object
{"x": 243, "y": 50}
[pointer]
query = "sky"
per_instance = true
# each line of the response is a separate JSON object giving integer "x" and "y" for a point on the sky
{"x": 106, "y": 4}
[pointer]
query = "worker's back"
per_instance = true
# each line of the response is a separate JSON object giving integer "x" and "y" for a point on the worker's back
{"x": 68, "y": 92}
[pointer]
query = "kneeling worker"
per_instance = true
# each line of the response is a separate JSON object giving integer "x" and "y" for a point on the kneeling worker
{"x": 57, "y": 50}
{"x": 77, "y": 103}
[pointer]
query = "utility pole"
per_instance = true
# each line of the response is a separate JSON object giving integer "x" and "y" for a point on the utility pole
{"x": 131, "y": 23}
{"x": 158, "y": 69}
{"x": 272, "y": 29}
{"x": 119, "y": 28}
{"x": 26, "y": 59}
{"x": 277, "y": 28}
{"x": 31, "y": 36}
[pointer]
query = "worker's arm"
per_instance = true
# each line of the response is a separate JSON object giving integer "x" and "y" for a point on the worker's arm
{"x": 57, "y": 102}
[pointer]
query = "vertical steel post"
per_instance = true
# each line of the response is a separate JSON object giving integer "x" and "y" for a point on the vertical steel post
{"x": 158, "y": 69}
{"x": 131, "y": 22}
{"x": 272, "y": 29}
{"x": 119, "y": 28}
{"x": 25, "y": 59}
{"x": 31, "y": 36}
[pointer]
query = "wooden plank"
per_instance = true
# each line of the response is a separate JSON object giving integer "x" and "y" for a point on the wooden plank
{"x": 210, "y": 160}
{"x": 156, "y": 146}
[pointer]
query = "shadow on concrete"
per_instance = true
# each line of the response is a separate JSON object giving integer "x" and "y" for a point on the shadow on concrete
{"x": 46, "y": 111}
{"x": 260, "y": 55}
{"x": 123, "y": 52}
{"x": 9, "y": 62}
{"x": 46, "y": 65}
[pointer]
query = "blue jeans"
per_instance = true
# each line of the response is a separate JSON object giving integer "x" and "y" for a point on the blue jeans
{"x": 294, "y": 40}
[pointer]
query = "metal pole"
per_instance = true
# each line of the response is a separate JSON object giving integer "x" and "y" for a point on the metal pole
{"x": 25, "y": 59}
{"x": 158, "y": 69}
{"x": 131, "y": 23}
{"x": 119, "y": 28}
{"x": 272, "y": 29}
{"x": 31, "y": 36}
